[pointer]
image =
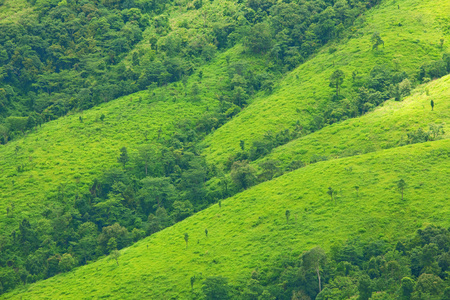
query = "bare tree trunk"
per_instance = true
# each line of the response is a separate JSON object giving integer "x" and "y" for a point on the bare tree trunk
{"x": 318, "y": 276}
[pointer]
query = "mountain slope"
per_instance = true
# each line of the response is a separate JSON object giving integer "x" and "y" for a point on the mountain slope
{"x": 385, "y": 127}
{"x": 250, "y": 229}
{"x": 304, "y": 92}
{"x": 77, "y": 148}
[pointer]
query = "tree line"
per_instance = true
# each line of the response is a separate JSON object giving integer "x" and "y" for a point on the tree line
{"x": 412, "y": 269}
{"x": 71, "y": 56}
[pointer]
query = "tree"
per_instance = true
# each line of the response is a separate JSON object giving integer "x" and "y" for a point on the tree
{"x": 193, "y": 281}
{"x": 206, "y": 232}
{"x": 357, "y": 190}
{"x": 16, "y": 123}
{"x": 259, "y": 39}
{"x": 67, "y": 262}
{"x": 336, "y": 80}
{"x": 429, "y": 284}
{"x": 432, "y": 104}
{"x": 313, "y": 260}
{"x": 401, "y": 185}
{"x": 182, "y": 210}
{"x": 148, "y": 157}
{"x": 288, "y": 214}
{"x": 364, "y": 288}
{"x": 4, "y": 132}
{"x": 242, "y": 174}
{"x": 186, "y": 239}
{"x": 270, "y": 168}
{"x": 115, "y": 254}
{"x": 216, "y": 288}
{"x": 407, "y": 287}
{"x": 123, "y": 157}
{"x": 116, "y": 232}
{"x": 376, "y": 40}
{"x": 332, "y": 193}
{"x": 156, "y": 192}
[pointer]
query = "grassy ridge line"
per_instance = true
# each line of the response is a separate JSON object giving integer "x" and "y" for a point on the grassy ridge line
{"x": 69, "y": 151}
{"x": 250, "y": 229}
{"x": 306, "y": 88}
{"x": 383, "y": 128}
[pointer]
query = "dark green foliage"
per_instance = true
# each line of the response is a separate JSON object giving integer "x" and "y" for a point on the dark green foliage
{"x": 270, "y": 169}
{"x": 435, "y": 69}
{"x": 259, "y": 38}
{"x": 193, "y": 278}
{"x": 364, "y": 288}
{"x": 354, "y": 270}
{"x": 401, "y": 185}
{"x": 407, "y": 287}
{"x": 216, "y": 288}
{"x": 186, "y": 239}
{"x": 336, "y": 80}
{"x": 123, "y": 158}
{"x": 47, "y": 59}
{"x": 243, "y": 174}
{"x": 376, "y": 41}
{"x": 314, "y": 260}
{"x": 331, "y": 192}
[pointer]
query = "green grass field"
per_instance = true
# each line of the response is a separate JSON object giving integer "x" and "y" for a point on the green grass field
{"x": 250, "y": 229}
{"x": 68, "y": 151}
{"x": 303, "y": 91}
{"x": 385, "y": 127}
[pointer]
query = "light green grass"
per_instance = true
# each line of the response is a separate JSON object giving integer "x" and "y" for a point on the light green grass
{"x": 68, "y": 151}
{"x": 250, "y": 229}
{"x": 306, "y": 88}
{"x": 386, "y": 127}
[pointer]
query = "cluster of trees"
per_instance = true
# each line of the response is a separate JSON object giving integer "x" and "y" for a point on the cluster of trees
{"x": 69, "y": 55}
{"x": 421, "y": 136}
{"x": 370, "y": 90}
{"x": 149, "y": 189}
{"x": 291, "y": 31}
{"x": 417, "y": 268}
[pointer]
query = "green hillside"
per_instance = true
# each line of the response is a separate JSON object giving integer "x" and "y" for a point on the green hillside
{"x": 68, "y": 151}
{"x": 328, "y": 102}
{"x": 304, "y": 93}
{"x": 250, "y": 229}
{"x": 386, "y": 127}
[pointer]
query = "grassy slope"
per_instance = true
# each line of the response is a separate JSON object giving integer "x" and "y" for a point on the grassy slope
{"x": 246, "y": 232}
{"x": 383, "y": 128}
{"x": 306, "y": 88}
{"x": 67, "y": 151}
{"x": 250, "y": 229}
